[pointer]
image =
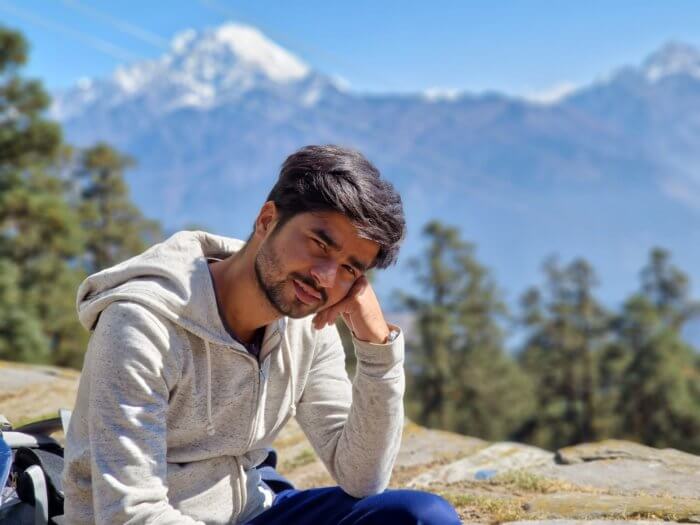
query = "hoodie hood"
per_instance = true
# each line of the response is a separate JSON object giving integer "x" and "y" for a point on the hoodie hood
{"x": 171, "y": 278}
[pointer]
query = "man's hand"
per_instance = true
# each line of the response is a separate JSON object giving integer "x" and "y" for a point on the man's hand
{"x": 361, "y": 312}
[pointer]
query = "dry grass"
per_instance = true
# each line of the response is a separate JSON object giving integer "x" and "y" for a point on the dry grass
{"x": 486, "y": 507}
{"x": 522, "y": 480}
{"x": 305, "y": 457}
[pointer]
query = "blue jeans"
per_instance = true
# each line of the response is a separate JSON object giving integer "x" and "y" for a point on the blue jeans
{"x": 332, "y": 506}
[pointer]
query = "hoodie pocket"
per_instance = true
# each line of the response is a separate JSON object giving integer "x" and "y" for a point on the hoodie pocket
{"x": 204, "y": 490}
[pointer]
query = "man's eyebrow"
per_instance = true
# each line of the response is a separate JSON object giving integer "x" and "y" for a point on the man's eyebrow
{"x": 326, "y": 238}
{"x": 357, "y": 264}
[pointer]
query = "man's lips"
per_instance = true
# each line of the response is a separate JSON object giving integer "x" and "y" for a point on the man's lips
{"x": 305, "y": 293}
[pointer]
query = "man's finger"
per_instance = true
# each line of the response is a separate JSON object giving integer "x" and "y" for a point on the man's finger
{"x": 332, "y": 313}
{"x": 319, "y": 319}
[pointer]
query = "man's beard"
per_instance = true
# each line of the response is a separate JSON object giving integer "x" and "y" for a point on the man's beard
{"x": 267, "y": 269}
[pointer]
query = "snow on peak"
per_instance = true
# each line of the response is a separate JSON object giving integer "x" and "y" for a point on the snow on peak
{"x": 201, "y": 69}
{"x": 182, "y": 39}
{"x": 252, "y": 48}
{"x": 438, "y": 94}
{"x": 232, "y": 56}
{"x": 673, "y": 58}
{"x": 551, "y": 95}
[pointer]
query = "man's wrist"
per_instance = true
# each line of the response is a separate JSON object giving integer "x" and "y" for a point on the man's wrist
{"x": 392, "y": 334}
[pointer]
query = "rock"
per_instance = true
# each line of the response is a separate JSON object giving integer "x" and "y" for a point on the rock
{"x": 627, "y": 468}
{"x": 587, "y": 522}
{"x": 422, "y": 446}
{"x": 423, "y": 449}
{"x": 494, "y": 459}
{"x": 618, "y": 449}
{"x": 30, "y": 392}
{"x": 586, "y": 506}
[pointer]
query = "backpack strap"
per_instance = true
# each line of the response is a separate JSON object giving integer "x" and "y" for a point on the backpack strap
{"x": 51, "y": 467}
{"x": 32, "y": 484}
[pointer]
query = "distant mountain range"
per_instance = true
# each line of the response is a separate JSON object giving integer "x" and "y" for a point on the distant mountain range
{"x": 605, "y": 171}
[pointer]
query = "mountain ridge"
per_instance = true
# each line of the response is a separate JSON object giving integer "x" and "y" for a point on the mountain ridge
{"x": 605, "y": 171}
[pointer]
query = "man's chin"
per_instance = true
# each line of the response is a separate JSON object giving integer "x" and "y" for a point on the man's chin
{"x": 295, "y": 309}
{"x": 301, "y": 310}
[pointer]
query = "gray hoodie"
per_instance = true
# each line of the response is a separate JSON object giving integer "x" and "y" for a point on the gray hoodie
{"x": 173, "y": 414}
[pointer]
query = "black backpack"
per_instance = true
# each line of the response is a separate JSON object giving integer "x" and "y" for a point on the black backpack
{"x": 31, "y": 466}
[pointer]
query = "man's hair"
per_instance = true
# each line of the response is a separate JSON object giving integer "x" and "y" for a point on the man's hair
{"x": 337, "y": 179}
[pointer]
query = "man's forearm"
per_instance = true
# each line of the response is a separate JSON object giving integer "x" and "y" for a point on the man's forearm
{"x": 356, "y": 430}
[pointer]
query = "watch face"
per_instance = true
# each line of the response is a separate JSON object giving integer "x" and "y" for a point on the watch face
{"x": 392, "y": 336}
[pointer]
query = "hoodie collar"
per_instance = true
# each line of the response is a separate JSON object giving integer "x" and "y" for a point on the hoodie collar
{"x": 171, "y": 278}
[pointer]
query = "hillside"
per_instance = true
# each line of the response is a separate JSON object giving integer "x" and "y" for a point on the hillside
{"x": 487, "y": 482}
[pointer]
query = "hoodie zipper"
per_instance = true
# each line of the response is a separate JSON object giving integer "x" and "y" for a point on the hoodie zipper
{"x": 260, "y": 385}
{"x": 262, "y": 390}
{"x": 260, "y": 378}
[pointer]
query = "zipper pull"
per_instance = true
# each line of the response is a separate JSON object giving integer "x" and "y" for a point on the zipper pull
{"x": 265, "y": 368}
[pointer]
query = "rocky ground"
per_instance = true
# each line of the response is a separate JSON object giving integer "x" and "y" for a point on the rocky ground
{"x": 606, "y": 482}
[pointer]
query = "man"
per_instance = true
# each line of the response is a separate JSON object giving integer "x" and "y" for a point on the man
{"x": 203, "y": 347}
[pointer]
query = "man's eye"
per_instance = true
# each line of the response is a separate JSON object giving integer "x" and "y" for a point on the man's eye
{"x": 350, "y": 269}
{"x": 320, "y": 244}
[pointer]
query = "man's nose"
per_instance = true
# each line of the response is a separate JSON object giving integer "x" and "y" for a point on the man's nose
{"x": 324, "y": 273}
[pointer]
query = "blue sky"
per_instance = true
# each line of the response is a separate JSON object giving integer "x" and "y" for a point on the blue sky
{"x": 523, "y": 47}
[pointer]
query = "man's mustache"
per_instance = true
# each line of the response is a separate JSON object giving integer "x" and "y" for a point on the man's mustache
{"x": 311, "y": 284}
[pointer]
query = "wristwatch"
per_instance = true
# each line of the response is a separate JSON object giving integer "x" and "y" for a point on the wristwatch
{"x": 392, "y": 335}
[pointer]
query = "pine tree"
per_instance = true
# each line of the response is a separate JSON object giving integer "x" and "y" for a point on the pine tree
{"x": 21, "y": 334}
{"x": 115, "y": 227}
{"x": 61, "y": 215}
{"x": 566, "y": 329}
{"x": 659, "y": 398}
{"x": 459, "y": 376}
{"x": 39, "y": 233}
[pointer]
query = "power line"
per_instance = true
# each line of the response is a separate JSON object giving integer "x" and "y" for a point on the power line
{"x": 96, "y": 43}
{"x": 123, "y": 26}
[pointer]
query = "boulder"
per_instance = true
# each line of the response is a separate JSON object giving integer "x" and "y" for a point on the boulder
{"x": 587, "y": 522}
{"x": 487, "y": 463}
{"x": 625, "y": 467}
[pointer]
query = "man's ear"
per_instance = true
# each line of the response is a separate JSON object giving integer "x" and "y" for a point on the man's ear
{"x": 266, "y": 221}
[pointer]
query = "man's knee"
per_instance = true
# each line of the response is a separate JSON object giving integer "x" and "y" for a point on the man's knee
{"x": 413, "y": 507}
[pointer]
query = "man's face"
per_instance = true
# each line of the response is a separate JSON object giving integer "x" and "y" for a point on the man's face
{"x": 311, "y": 262}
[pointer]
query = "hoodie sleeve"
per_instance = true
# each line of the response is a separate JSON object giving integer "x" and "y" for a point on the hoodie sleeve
{"x": 130, "y": 372}
{"x": 355, "y": 429}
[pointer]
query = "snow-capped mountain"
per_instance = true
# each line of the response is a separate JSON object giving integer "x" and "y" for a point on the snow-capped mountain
{"x": 201, "y": 70}
{"x": 603, "y": 171}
